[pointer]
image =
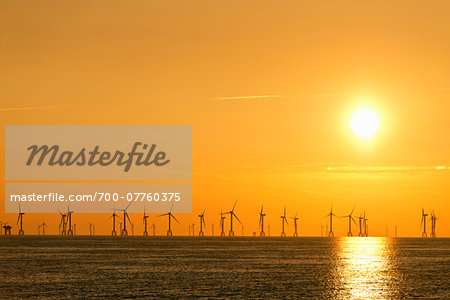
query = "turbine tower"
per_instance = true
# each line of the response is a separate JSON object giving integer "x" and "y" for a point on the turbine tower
{"x": 124, "y": 230}
{"x": 170, "y": 216}
{"x": 283, "y": 220}
{"x": 62, "y": 224}
{"x": 114, "y": 216}
{"x": 424, "y": 222}
{"x": 366, "y": 226}
{"x": 331, "y": 215}
{"x": 232, "y": 214}
{"x": 222, "y": 223}
{"x": 295, "y": 225}
{"x": 433, "y": 224}
{"x": 361, "y": 220}
{"x": 261, "y": 222}
{"x": 91, "y": 229}
{"x": 202, "y": 223}
{"x": 43, "y": 225}
{"x": 144, "y": 220}
{"x": 69, "y": 220}
{"x": 19, "y": 219}
{"x": 350, "y": 220}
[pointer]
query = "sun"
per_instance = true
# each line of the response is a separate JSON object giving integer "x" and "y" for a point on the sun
{"x": 364, "y": 123}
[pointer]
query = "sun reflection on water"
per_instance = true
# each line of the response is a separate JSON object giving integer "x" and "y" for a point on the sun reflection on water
{"x": 365, "y": 269}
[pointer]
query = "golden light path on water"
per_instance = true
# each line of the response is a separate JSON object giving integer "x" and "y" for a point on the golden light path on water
{"x": 365, "y": 269}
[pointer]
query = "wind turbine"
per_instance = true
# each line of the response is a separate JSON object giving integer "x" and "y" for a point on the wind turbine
{"x": 232, "y": 214}
{"x": 283, "y": 220}
{"x": 62, "y": 224}
{"x": 295, "y": 225}
{"x": 331, "y": 215}
{"x": 114, "y": 216}
{"x": 360, "y": 220}
{"x": 424, "y": 222}
{"x": 433, "y": 224}
{"x": 261, "y": 222}
{"x": 170, "y": 215}
{"x": 43, "y": 225}
{"x": 19, "y": 219}
{"x": 69, "y": 220}
{"x": 144, "y": 220}
{"x": 202, "y": 223}
{"x": 350, "y": 220}
{"x": 366, "y": 226}
{"x": 124, "y": 231}
{"x": 222, "y": 223}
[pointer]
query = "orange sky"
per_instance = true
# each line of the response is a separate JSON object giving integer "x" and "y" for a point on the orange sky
{"x": 173, "y": 62}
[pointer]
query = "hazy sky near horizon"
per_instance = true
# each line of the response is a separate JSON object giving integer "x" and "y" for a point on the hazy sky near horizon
{"x": 269, "y": 87}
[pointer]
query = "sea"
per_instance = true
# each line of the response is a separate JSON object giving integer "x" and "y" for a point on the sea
{"x": 105, "y": 267}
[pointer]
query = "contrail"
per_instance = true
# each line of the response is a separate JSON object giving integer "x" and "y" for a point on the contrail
{"x": 26, "y": 108}
{"x": 282, "y": 96}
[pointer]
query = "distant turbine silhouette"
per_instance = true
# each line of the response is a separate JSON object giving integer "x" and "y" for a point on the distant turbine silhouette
{"x": 63, "y": 224}
{"x": 433, "y": 224}
{"x": 43, "y": 225}
{"x": 350, "y": 220}
{"x": 331, "y": 215}
{"x": 232, "y": 214}
{"x": 283, "y": 220}
{"x": 361, "y": 219}
{"x": 170, "y": 216}
{"x": 261, "y": 222}
{"x": 222, "y": 224}
{"x": 144, "y": 220}
{"x": 19, "y": 219}
{"x": 70, "y": 231}
{"x": 424, "y": 222}
{"x": 114, "y": 216}
{"x": 202, "y": 223}
{"x": 124, "y": 230}
{"x": 295, "y": 218}
{"x": 366, "y": 226}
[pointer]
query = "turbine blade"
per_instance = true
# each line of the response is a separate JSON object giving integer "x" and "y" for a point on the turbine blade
{"x": 174, "y": 218}
{"x": 163, "y": 215}
{"x": 237, "y": 218}
{"x": 234, "y": 205}
{"x": 352, "y": 210}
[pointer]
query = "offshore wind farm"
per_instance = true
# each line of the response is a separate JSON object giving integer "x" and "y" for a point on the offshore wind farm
{"x": 66, "y": 226}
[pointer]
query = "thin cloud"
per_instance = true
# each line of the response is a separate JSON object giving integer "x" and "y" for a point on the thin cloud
{"x": 248, "y": 97}
{"x": 435, "y": 88}
{"x": 255, "y": 97}
{"x": 383, "y": 169}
